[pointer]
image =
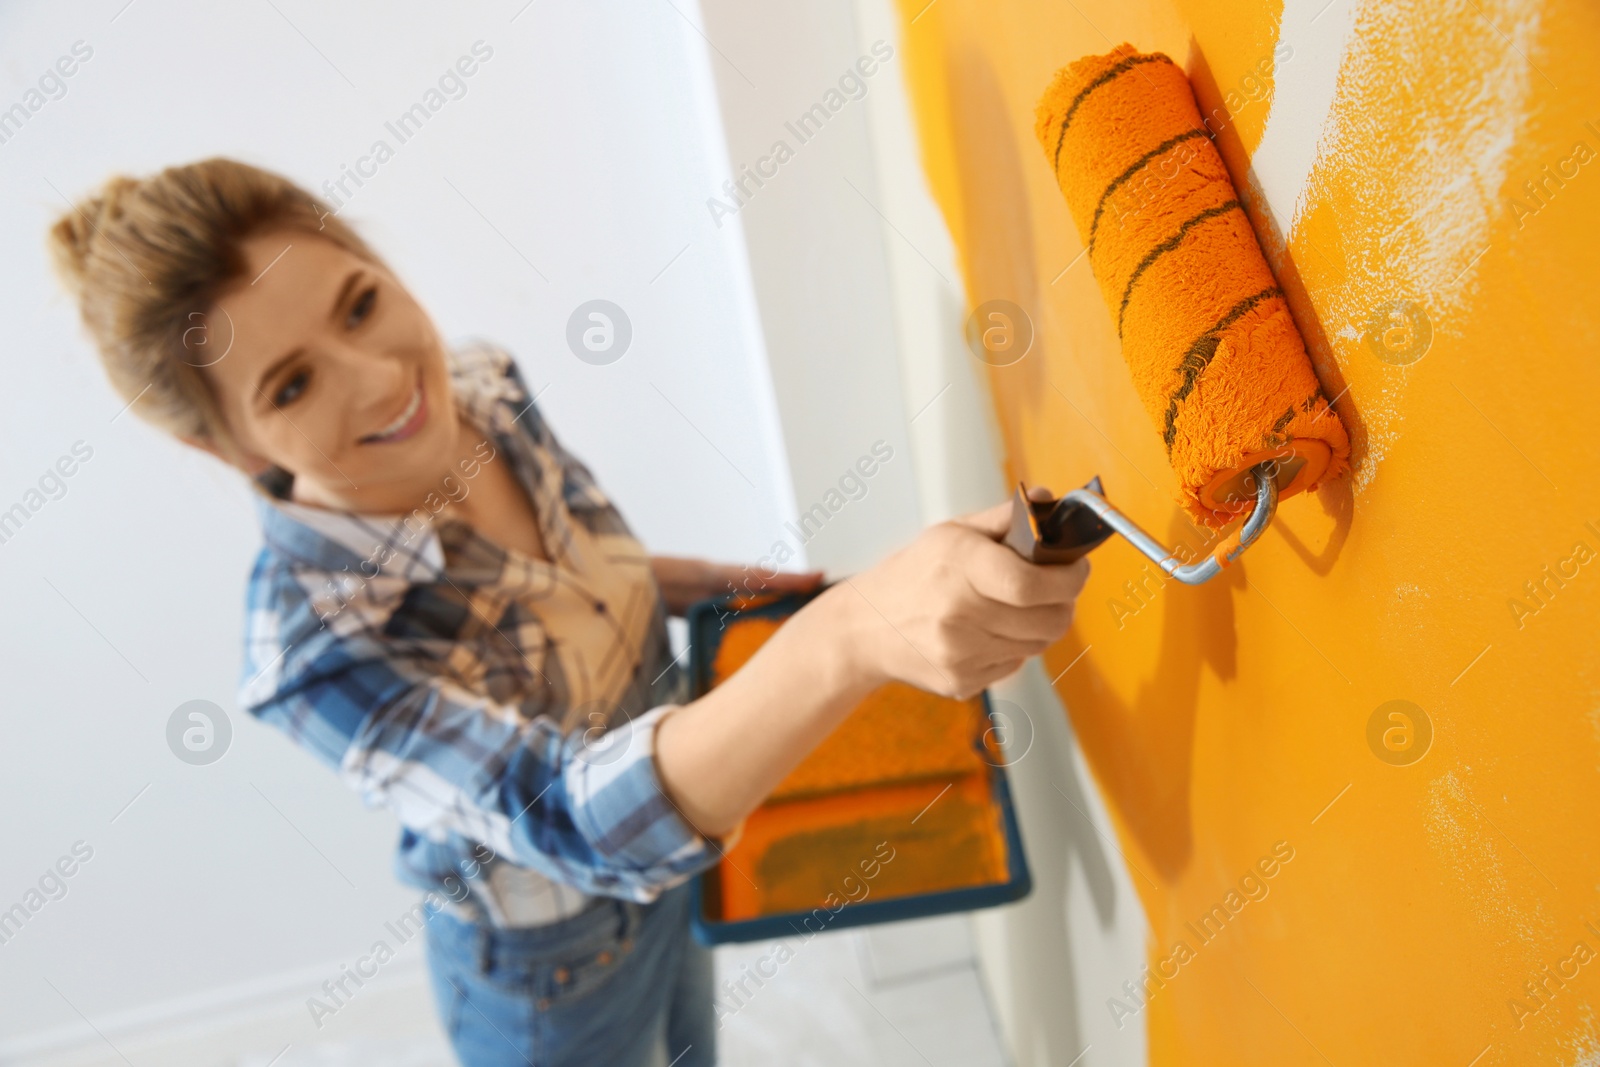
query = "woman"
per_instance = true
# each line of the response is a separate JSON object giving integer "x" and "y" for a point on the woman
{"x": 451, "y": 614}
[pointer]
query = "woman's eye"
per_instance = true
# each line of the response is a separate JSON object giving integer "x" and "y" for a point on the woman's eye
{"x": 363, "y": 306}
{"x": 291, "y": 390}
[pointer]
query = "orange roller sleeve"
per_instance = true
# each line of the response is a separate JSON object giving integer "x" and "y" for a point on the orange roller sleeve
{"x": 1205, "y": 330}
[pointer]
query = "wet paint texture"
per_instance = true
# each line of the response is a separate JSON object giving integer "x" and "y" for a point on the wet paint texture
{"x": 907, "y": 770}
{"x": 793, "y": 856}
{"x": 1204, "y": 327}
{"x": 1439, "y": 256}
{"x": 897, "y": 734}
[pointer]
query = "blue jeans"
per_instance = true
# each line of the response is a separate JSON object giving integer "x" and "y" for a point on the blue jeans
{"x": 620, "y": 984}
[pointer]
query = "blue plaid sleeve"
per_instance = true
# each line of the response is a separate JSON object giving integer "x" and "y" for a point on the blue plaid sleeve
{"x": 585, "y": 810}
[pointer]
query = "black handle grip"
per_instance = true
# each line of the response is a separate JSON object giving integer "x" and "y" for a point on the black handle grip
{"x": 1055, "y": 531}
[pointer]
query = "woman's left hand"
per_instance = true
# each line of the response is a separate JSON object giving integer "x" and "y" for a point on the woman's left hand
{"x": 685, "y": 581}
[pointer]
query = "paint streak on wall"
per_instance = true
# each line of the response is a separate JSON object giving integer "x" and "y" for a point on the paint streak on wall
{"x": 1442, "y": 135}
{"x": 1412, "y": 169}
{"x": 1232, "y": 37}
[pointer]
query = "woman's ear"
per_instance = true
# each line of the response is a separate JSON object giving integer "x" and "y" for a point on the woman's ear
{"x": 244, "y": 461}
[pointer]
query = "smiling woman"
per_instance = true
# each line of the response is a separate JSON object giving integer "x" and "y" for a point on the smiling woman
{"x": 335, "y": 373}
{"x": 331, "y": 370}
{"x": 498, "y": 673}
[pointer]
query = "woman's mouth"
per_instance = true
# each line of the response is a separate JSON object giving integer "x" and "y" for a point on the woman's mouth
{"x": 407, "y": 423}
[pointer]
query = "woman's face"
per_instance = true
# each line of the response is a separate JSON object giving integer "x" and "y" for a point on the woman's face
{"x": 332, "y": 372}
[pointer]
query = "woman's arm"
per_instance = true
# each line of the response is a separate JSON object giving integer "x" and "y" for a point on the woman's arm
{"x": 627, "y": 812}
{"x": 685, "y": 581}
{"x": 587, "y": 812}
{"x": 951, "y": 613}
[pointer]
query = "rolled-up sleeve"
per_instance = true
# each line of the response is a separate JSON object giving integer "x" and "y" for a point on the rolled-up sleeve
{"x": 587, "y": 810}
{"x": 618, "y": 801}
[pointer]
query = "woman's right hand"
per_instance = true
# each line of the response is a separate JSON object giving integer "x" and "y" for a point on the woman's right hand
{"x": 957, "y": 610}
{"x": 952, "y": 612}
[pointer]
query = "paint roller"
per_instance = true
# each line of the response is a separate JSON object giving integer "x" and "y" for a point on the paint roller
{"x": 1206, "y": 332}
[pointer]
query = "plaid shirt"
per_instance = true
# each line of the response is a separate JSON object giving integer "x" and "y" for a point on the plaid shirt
{"x": 487, "y": 698}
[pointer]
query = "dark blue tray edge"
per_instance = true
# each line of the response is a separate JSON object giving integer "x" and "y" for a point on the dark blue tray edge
{"x": 709, "y": 932}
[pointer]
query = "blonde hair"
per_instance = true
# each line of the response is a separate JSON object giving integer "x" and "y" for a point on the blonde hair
{"x": 142, "y": 256}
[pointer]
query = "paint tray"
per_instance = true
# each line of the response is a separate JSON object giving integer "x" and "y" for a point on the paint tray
{"x": 903, "y": 812}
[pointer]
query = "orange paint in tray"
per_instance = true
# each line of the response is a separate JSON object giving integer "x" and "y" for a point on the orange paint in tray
{"x": 907, "y": 776}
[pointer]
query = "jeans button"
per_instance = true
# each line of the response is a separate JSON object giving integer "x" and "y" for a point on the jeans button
{"x": 627, "y": 944}
{"x": 543, "y": 1004}
{"x": 604, "y": 957}
{"x": 562, "y": 974}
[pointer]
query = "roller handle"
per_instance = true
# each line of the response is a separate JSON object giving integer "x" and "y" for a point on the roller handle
{"x": 1055, "y": 531}
{"x": 1060, "y": 531}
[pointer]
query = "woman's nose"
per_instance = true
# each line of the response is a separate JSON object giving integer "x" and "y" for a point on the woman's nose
{"x": 376, "y": 379}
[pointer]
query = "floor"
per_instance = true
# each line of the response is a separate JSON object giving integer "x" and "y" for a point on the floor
{"x": 905, "y": 993}
{"x": 901, "y": 994}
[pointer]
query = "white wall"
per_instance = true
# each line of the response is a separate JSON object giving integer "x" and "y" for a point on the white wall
{"x": 862, "y": 294}
{"x": 585, "y": 146}
{"x": 818, "y": 258}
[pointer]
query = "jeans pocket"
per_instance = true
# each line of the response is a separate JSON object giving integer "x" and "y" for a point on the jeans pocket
{"x": 571, "y": 979}
{"x": 571, "y": 973}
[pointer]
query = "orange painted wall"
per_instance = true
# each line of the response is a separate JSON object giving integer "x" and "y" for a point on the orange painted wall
{"x": 1421, "y": 897}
